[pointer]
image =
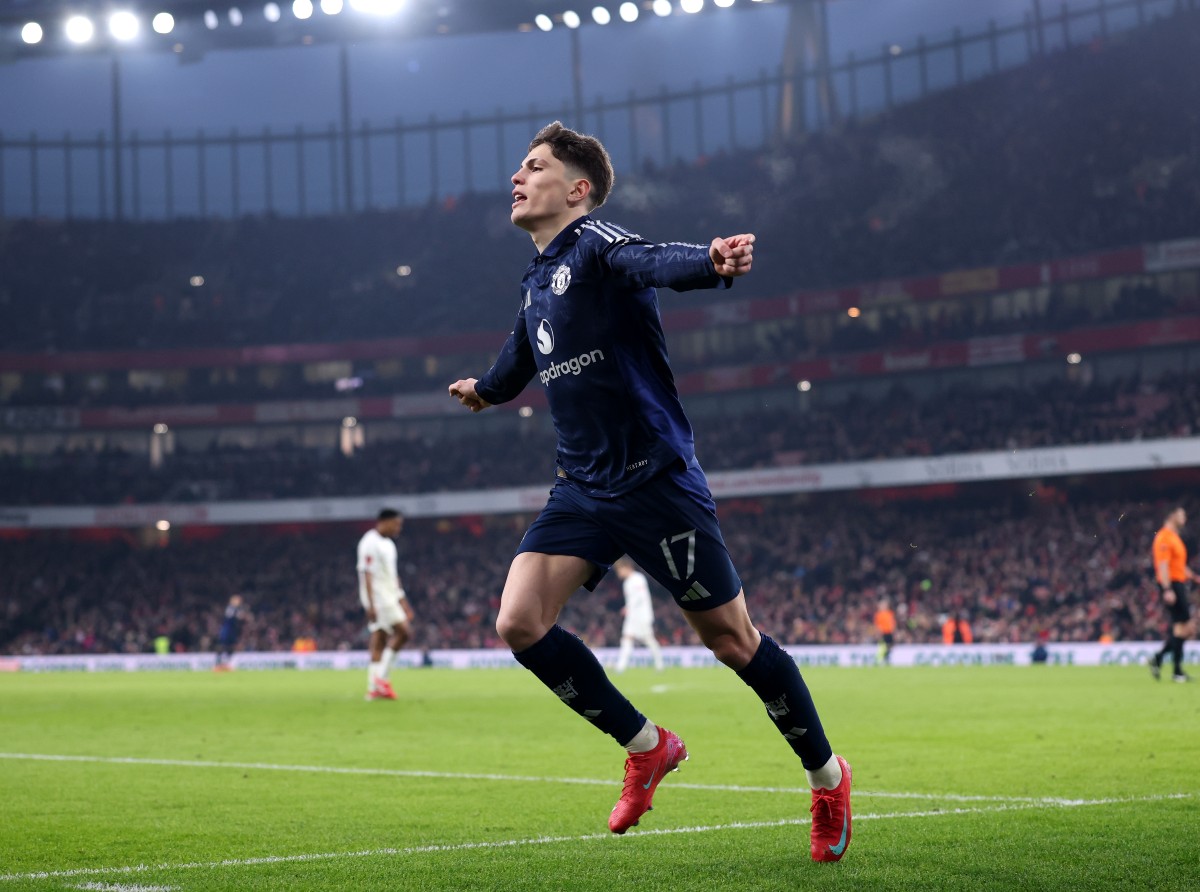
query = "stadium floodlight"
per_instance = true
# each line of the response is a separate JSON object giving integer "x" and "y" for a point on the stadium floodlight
{"x": 210, "y": 20}
{"x": 724, "y": 4}
{"x": 377, "y": 7}
{"x": 571, "y": 18}
{"x": 525, "y": 411}
{"x": 123, "y": 25}
{"x": 629, "y": 12}
{"x": 79, "y": 29}
{"x": 331, "y": 7}
{"x": 601, "y": 16}
{"x": 235, "y": 16}
{"x": 163, "y": 23}
{"x": 272, "y": 13}
{"x": 302, "y": 9}
{"x": 804, "y": 386}
{"x": 692, "y": 6}
{"x": 163, "y": 526}
{"x": 1074, "y": 358}
{"x": 31, "y": 32}
{"x": 662, "y": 8}
{"x": 543, "y": 21}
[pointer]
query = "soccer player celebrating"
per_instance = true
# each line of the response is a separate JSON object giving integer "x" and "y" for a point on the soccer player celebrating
{"x": 383, "y": 599}
{"x": 1173, "y": 574}
{"x": 627, "y": 478}
{"x": 638, "y": 627}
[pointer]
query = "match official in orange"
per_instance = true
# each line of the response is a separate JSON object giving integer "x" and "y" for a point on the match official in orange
{"x": 885, "y": 625}
{"x": 1173, "y": 574}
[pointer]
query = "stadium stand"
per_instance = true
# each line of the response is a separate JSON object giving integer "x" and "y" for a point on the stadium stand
{"x": 814, "y": 570}
{"x": 910, "y": 193}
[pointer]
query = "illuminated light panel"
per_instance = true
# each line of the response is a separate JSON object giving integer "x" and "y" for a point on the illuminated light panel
{"x": 79, "y": 29}
{"x": 628, "y": 12}
{"x": 377, "y": 7}
{"x": 272, "y": 12}
{"x": 692, "y": 6}
{"x": 235, "y": 16}
{"x": 302, "y": 9}
{"x": 32, "y": 33}
{"x": 662, "y": 8}
{"x": 724, "y": 4}
{"x": 543, "y": 21}
{"x": 571, "y": 19}
{"x": 601, "y": 16}
{"x": 332, "y": 7}
{"x": 163, "y": 23}
{"x": 210, "y": 20}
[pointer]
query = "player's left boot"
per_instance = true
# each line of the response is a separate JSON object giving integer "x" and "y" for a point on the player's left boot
{"x": 831, "y": 819}
{"x": 1155, "y": 667}
{"x": 383, "y": 688}
{"x": 643, "y": 771}
{"x": 1181, "y": 677}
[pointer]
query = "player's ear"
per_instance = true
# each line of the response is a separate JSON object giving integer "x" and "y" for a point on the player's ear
{"x": 580, "y": 190}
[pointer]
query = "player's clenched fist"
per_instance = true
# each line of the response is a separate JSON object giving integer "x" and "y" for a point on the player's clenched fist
{"x": 732, "y": 256}
{"x": 463, "y": 390}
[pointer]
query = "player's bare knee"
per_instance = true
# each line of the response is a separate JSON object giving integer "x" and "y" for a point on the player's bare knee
{"x": 734, "y": 650}
{"x": 517, "y": 632}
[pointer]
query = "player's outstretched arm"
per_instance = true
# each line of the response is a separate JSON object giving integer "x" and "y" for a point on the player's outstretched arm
{"x": 463, "y": 390}
{"x": 733, "y": 255}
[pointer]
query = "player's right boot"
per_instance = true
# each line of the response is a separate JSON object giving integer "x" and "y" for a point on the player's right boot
{"x": 383, "y": 687}
{"x": 1155, "y": 667}
{"x": 643, "y": 771}
{"x": 831, "y": 819}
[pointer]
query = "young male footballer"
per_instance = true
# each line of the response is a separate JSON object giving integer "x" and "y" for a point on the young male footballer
{"x": 627, "y": 479}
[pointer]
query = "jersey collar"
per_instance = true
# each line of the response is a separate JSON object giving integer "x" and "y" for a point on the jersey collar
{"x": 566, "y": 239}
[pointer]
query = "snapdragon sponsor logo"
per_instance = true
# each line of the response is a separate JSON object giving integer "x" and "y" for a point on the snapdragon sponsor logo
{"x": 573, "y": 366}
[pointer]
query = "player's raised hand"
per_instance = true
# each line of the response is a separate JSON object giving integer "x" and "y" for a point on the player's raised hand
{"x": 732, "y": 256}
{"x": 463, "y": 390}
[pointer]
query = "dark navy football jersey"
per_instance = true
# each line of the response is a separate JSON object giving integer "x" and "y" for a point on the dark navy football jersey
{"x": 589, "y": 330}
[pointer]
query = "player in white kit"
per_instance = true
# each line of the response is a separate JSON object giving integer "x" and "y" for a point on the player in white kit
{"x": 638, "y": 627}
{"x": 383, "y": 599}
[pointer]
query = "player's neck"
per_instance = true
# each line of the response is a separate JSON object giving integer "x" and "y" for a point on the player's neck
{"x": 547, "y": 231}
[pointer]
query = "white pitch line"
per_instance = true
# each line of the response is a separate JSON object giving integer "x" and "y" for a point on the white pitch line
{"x": 551, "y": 840}
{"x": 510, "y": 778}
{"x": 124, "y": 887}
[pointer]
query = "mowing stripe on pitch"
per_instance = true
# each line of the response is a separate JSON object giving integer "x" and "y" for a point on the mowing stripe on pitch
{"x": 510, "y": 778}
{"x": 610, "y": 838}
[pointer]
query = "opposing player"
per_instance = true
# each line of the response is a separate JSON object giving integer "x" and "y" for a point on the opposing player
{"x": 231, "y": 630}
{"x": 388, "y": 611}
{"x": 638, "y": 626}
{"x": 1173, "y": 575}
{"x": 627, "y": 478}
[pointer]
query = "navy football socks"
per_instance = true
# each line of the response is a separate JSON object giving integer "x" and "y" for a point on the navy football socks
{"x": 774, "y": 676}
{"x": 564, "y": 664}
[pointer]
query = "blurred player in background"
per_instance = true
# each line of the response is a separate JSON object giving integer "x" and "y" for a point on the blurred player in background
{"x": 638, "y": 627}
{"x": 885, "y": 625}
{"x": 628, "y": 481}
{"x": 231, "y": 630}
{"x": 383, "y": 599}
{"x": 1173, "y": 574}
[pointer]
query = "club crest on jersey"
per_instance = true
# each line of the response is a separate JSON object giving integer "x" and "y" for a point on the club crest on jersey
{"x": 561, "y": 280}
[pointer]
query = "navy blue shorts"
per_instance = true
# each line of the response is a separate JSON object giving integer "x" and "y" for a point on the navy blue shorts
{"x": 667, "y": 526}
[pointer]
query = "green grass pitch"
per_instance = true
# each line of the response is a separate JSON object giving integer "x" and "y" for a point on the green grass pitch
{"x": 1032, "y": 778}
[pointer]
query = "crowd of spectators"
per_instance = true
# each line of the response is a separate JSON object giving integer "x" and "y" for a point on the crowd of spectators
{"x": 963, "y": 419}
{"x": 798, "y": 337}
{"x": 1018, "y": 566}
{"x": 1088, "y": 148}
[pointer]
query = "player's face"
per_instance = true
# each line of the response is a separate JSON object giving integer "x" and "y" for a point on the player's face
{"x": 542, "y": 189}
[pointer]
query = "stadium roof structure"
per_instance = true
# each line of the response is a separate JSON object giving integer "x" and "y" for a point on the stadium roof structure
{"x": 41, "y": 28}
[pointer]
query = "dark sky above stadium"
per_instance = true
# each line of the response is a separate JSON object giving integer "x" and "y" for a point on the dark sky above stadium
{"x": 448, "y": 76}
